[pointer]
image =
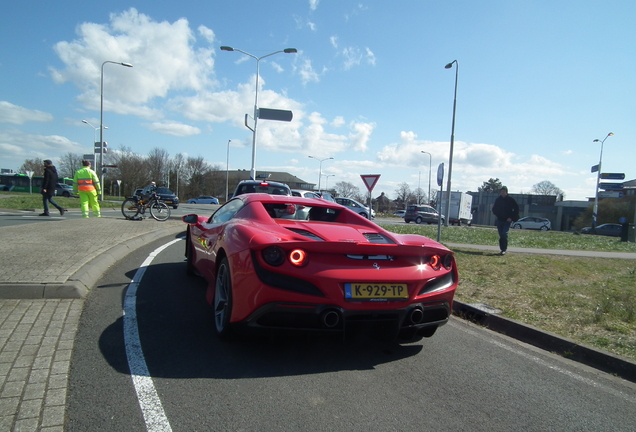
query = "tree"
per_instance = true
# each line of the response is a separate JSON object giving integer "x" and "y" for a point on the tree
{"x": 69, "y": 164}
{"x": 403, "y": 195}
{"x": 36, "y": 165}
{"x": 346, "y": 190}
{"x": 546, "y": 188}
{"x": 493, "y": 185}
{"x": 158, "y": 161}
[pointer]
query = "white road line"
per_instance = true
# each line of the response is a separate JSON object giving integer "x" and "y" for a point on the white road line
{"x": 149, "y": 402}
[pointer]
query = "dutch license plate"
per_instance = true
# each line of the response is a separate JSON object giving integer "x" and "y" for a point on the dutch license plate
{"x": 375, "y": 291}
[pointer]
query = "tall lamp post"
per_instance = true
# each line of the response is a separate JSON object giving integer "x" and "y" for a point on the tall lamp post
{"x": 101, "y": 123}
{"x": 258, "y": 61}
{"x": 452, "y": 143}
{"x": 320, "y": 174}
{"x": 430, "y": 158}
{"x": 227, "y": 172}
{"x": 598, "y": 179}
{"x": 94, "y": 135}
{"x": 327, "y": 180}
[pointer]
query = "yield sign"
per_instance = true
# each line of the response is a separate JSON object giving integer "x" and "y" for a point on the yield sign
{"x": 370, "y": 180}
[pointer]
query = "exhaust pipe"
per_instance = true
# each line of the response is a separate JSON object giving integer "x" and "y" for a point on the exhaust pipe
{"x": 416, "y": 315}
{"x": 330, "y": 318}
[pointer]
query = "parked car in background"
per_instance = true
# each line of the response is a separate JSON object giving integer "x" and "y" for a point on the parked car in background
{"x": 610, "y": 229}
{"x": 399, "y": 213}
{"x": 165, "y": 194}
{"x": 421, "y": 214}
{"x": 356, "y": 206}
{"x": 203, "y": 199}
{"x": 304, "y": 193}
{"x": 326, "y": 196}
{"x": 531, "y": 222}
{"x": 267, "y": 269}
{"x": 63, "y": 190}
{"x": 257, "y": 186}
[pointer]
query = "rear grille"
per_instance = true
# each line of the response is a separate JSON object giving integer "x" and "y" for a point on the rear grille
{"x": 378, "y": 238}
{"x": 305, "y": 233}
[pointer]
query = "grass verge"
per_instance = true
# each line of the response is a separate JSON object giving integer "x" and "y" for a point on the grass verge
{"x": 589, "y": 300}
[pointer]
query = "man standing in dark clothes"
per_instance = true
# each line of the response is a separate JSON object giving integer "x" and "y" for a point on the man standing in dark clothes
{"x": 49, "y": 182}
{"x": 507, "y": 211}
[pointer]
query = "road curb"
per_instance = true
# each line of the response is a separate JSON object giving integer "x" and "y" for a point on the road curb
{"x": 547, "y": 341}
{"x": 79, "y": 284}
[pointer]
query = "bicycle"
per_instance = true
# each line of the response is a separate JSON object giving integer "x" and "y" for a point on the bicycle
{"x": 134, "y": 208}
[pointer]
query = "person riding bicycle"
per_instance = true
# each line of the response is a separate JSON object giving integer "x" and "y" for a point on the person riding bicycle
{"x": 147, "y": 192}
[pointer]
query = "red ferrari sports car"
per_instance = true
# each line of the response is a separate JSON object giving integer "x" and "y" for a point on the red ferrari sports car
{"x": 290, "y": 263}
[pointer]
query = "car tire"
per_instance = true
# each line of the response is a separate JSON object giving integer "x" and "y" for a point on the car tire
{"x": 65, "y": 194}
{"x": 544, "y": 228}
{"x": 364, "y": 215}
{"x": 223, "y": 301}
{"x": 516, "y": 226}
{"x": 418, "y": 220}
{"x": 175, "y": 207}
{"x": 189, "y": 253}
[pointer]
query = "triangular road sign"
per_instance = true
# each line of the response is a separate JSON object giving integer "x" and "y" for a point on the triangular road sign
{"x": 370, "y": 180}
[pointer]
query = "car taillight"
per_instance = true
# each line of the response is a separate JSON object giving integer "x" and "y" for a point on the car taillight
{"x": 298, "y": 257}
{"x": 435, "y": 262}
{"x": 448, "y": 261}
{"x": 273, "y": 255}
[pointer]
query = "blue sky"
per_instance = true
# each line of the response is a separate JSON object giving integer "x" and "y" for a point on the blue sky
{"x": 538, "y": 82}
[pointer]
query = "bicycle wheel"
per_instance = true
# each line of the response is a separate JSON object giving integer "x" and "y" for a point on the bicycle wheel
{"x": 130, "y": 208}
{"x": 159, "y": 210}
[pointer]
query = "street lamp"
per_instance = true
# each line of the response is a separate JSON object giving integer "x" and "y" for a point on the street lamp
{"x": 452, "y": 142}
{"x": 101, "y": 123}
{"x": 320, "y": 174}
{"x": 227, "y": 172}
{"x": 430, "y": 158}
{"x": 95, "y": 132}
{"x": 327, "y": 180}
{"x": 598, "y": 179}
{"x": 258, "y": 61}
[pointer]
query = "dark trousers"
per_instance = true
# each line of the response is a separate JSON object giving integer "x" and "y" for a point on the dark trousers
{"x": 502, "y": 228}
{"x": 46, "y": 199}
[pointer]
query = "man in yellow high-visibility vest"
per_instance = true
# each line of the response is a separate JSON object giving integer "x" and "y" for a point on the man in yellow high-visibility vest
{"x": 86, "y": 182}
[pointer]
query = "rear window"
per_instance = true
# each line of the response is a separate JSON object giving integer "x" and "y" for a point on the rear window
{"x": 263, "y": 188}
{"x": 301, "y": 212}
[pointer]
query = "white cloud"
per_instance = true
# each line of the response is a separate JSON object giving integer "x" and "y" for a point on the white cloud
{"x": 360, "y": 136}
{"x": 206, "y": 33}
{"x": 18, "y": 115}
{"x": 163, "y": 56}
{"x": 313, "y": 4}
{"x": 334, "y": 41}
{"x": 16, "y": 146}
{"x": 173, "y": 128}
{"x": 307, "y": 73}
{"x": 338, "y": 121}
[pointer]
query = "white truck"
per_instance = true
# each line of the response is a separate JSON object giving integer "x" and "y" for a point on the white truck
{"x": 460, "y": 208}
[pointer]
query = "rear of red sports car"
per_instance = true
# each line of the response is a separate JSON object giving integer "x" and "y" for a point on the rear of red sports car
{"x": 311, "y": 265}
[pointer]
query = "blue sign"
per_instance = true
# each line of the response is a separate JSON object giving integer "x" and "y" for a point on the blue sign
{"x": 613, "y": 176}
{"x": 611, "y": 186}
{"x": 595, "y": 168}
{"x": 440, "y": 174}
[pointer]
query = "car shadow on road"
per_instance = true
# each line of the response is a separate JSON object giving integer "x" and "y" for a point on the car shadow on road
{"x": 178, "y": 340}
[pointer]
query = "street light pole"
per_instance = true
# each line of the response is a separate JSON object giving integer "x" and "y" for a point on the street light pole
{"x": 327, "y": 180}
{"x": 452, "y": 142}
{"x": 598, "y": 179}
{"x": 94, "y": 136}
{"x": 101, "y": 124}
{"x": 258, "y": 61}
{"x": 227, "y": 172}
{"x": 430, "y": 158}
{"x": 320, "y": 174}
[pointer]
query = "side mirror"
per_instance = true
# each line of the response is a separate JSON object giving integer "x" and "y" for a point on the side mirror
{"x": 191, "y": 219}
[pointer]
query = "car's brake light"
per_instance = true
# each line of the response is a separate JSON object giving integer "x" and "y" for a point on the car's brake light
{"x": 298, "y": 257}
{"x": 435, "y": 262}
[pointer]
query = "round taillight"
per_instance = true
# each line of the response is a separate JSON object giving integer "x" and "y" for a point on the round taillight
{"x": 435, "y": 262}
{"x": 448, "y": 262}
{"x": 298, "y": 257}
{"x": 273, "y": 255}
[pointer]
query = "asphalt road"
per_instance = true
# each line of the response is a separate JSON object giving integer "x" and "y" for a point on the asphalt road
{"x": 464, "y": 378}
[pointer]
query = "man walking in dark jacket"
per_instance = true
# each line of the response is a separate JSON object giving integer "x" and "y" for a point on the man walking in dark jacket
{"x": 507, "y": 211}
{"x": 49, "y": 182}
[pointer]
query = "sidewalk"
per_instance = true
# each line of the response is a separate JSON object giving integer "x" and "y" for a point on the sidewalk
{"x": 53, "y": 265}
